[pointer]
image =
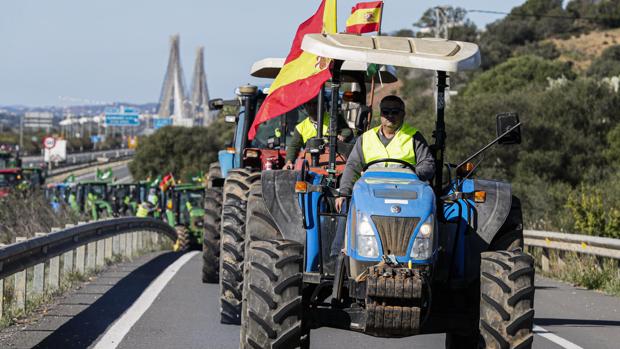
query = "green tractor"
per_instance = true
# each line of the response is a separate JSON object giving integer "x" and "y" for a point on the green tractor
{"x": 185, "y": 212}
{"x": 92, "y": 199}
{"x": 124, "y": 199}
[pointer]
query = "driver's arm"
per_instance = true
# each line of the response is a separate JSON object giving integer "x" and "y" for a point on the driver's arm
{"x": 425, "y": 164}
{"x": 293, "y": 146}
{"x": 353, "y": 169}
{"x": 343, "y": 128}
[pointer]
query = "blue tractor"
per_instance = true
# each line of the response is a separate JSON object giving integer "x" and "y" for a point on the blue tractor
{"x": 418, "y": 258}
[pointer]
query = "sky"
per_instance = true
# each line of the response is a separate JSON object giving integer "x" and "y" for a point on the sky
{"x": 75, "y": 51}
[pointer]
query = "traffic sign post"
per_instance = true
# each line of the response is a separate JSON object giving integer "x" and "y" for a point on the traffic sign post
{"x": 49, "y": 142}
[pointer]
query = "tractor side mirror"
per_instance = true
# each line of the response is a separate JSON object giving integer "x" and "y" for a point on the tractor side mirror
{"x": 216, "y": 104}
{"x": 231, "y": 119}
{"x": 505, "y": 122}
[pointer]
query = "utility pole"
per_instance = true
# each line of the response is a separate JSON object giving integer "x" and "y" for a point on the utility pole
{"x": 21, "y": 132}
{"x": 442, "y": 25}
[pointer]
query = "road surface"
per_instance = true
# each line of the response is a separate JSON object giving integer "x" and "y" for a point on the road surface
{"x": 185, "y": 315}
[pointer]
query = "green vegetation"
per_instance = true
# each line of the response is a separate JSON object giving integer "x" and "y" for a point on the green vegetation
{"x": 185, "y": 152}
{"x": 566, "y": 169}
{"x": 586, "y": 271}
{"x": 40, "y": 216}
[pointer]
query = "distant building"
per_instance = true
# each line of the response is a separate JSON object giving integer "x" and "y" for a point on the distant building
{"x": 39, "y": 120}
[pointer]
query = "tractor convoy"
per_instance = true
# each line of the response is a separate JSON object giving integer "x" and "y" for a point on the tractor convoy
{"x": 413, "y": 256}
{"x": 418, "y": 257}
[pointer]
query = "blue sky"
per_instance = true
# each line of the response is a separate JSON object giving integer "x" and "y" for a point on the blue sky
{"x": 116, "y": 50}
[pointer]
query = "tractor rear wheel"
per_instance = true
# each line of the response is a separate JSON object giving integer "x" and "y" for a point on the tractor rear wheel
{"x": 211, "y": 240}
{"x": 507, "y": 300}
{"x": 232, "y": 242}
{"x": 274, "y": 316}
{"x": 183, "y": 239}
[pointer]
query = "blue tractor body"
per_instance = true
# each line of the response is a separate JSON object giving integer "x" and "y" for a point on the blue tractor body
{"x": 388, "y": 194}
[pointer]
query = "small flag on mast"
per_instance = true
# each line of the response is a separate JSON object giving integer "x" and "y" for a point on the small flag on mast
{"x": 365, "y": 18}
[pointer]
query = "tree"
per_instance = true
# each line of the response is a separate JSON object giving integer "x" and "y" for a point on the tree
{"x": 182, "y": 151}
{"x": 516, "y": 73}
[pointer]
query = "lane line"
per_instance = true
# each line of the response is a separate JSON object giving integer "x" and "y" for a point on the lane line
{"x": 119, "y": 329}
{"x": 555, "y": 339}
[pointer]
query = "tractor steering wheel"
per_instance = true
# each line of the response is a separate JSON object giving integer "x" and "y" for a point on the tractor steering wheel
{"x": 398, "y": 161}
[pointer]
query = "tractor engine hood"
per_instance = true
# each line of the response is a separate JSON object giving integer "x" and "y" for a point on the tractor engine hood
{"x": 395, "y": 194}
{"x": 396, "y": 204}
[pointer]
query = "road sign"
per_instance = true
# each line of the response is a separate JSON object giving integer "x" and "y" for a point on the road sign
{"x": 121, "y": 117}
{"x": 161, "y": 122}
{"x": 49, "y": 142}
{"x": 121, "y": 120}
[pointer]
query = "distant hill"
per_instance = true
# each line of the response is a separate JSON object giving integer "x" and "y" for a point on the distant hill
{"x": 581, "y": 50}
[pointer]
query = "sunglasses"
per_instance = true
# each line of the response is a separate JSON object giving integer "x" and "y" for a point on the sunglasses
{"x": 391, "y": 111}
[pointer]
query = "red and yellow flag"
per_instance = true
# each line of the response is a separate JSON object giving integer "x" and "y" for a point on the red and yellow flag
{"x": 365, "y": 18}
{"x": 303, "y": 74}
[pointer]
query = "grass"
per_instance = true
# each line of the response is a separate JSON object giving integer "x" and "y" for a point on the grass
{"x": 591, "y": 272}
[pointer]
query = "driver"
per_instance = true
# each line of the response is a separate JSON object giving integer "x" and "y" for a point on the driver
{"x": 308, "y": 129}
{"x": 393, "y": 139}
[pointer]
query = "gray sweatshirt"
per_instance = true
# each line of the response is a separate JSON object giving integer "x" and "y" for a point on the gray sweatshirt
{"x": 425, "y": 164}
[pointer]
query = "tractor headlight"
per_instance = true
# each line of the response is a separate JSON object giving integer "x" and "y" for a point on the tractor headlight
{"x": 423, "y": 244}
{"x": 366, "y": 240}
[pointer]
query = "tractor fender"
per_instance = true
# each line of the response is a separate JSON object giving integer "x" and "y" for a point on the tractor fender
{"x": 283, "y": 203}
{"x": 226, "y": 161}
{"x": 492, "y": 213}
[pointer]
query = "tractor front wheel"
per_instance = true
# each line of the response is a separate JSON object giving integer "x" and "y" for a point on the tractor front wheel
{"x": 273, "y": 296}
{"x": 232, "y": 242}
{"x": 183, "y": 239}
{"x": 507, "y": 300}
{"x": 211, "y": 240}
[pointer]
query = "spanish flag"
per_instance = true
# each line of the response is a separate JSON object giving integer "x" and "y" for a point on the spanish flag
{"x": 303, "y": 74}
{"x": 365, "y": 18}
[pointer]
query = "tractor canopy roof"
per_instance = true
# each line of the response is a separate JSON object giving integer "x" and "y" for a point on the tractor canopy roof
{"x": 189, "y": 187}
{"x": 269, "y": 68}
{"x": 425, "y": 53}
{"x": 95, "y": 182}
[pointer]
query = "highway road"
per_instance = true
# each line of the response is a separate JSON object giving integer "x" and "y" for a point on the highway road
{"x": 120, "y": 310}
{"x": 121, "y": 173}
{"x": 77, "y": 158}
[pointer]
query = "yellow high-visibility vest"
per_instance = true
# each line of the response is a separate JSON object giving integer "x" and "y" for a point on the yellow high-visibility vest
{"x": 307, "y": 129}
{"x": 400, "y": 147}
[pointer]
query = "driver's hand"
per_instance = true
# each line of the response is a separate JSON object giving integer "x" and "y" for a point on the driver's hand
{"x": 339, "y": 202}
{"x": 341, "y": 138}
{"x": 288, "y": 165}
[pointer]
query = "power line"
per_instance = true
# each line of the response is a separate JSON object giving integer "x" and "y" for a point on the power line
{"x": 545, "y": 16}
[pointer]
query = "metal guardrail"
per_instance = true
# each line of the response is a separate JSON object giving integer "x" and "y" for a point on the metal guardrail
{"x": 74, "y": 249}
{"x": 594, "y": 245}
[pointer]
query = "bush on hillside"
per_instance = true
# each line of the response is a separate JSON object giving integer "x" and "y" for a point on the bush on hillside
{"x": 517, "y": 73}
{"x": 608, "y": 64}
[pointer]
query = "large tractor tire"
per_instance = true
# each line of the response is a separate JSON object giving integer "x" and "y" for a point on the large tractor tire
{"x": 183, "y": 242}
{"x": 274, "y": 316}
{"x": 232, "y": 242}
{"x": 215, "y": 171}
{"x": 259, "y": 226}
{"x": 211, "y": 240}
{"x": 507, "y": 300}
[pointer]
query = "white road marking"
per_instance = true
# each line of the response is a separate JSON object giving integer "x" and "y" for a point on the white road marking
{"x": 555, "y": 339}
{"x": 119, "y": 329}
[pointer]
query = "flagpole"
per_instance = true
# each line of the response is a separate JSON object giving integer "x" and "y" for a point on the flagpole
{"x": 372, "y": 80}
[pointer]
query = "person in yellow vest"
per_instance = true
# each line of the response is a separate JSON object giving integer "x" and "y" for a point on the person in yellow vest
{"x": 308, "y": 129}
{"x": 392, "y": 139}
